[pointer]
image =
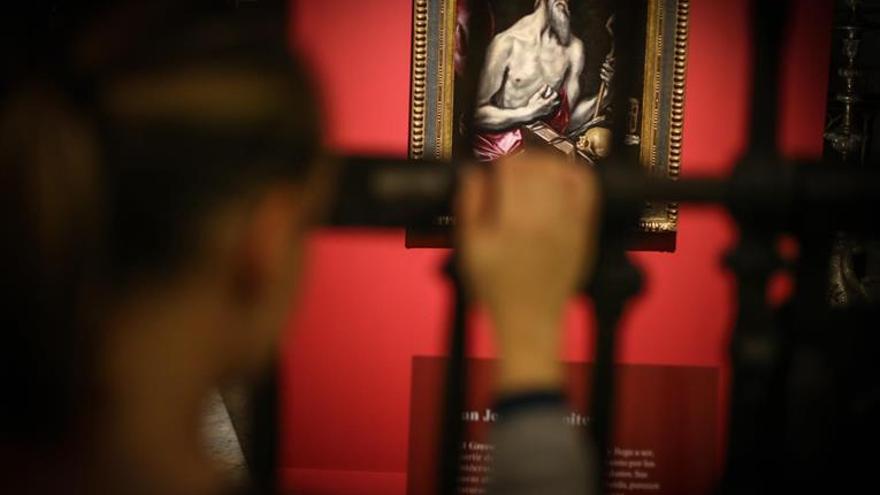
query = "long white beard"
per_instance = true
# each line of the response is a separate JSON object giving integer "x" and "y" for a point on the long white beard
{"x": 561, "y": 25}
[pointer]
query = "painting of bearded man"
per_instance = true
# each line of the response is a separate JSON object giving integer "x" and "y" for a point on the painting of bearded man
{"x": 535, "y": 71}
{"x": 571, "y": 76}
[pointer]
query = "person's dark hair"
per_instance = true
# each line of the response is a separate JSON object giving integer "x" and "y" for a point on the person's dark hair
{"x": 106, "y": 177}
{"x": 51, "y": 230}
{"x": 169, "y": 161}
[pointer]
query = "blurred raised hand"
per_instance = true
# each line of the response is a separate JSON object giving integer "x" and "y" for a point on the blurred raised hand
{"x": 527, "y": 231}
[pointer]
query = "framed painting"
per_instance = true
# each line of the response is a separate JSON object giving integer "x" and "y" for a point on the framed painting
{"x": 548, "y": 79}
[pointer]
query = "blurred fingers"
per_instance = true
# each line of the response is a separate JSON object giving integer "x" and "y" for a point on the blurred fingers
{"x": 471, "y": 202}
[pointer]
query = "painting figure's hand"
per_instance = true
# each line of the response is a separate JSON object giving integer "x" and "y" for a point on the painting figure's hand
{"x": 606, "y": 72}
{"x": 543, "y": 102}
{"x": 527, "y": 232}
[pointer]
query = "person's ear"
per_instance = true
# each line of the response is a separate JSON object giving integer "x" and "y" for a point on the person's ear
{"x": 270, "y": 242}
{"x": 319, "y": 190}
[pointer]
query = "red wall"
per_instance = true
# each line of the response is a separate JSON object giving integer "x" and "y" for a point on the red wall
{"x": 370, "y": 305}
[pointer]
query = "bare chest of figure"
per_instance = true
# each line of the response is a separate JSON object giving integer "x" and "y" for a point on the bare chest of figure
{"x": 533, "y": 64}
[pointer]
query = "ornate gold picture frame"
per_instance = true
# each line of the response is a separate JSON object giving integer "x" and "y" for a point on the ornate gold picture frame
{"x": 565, "y": 102}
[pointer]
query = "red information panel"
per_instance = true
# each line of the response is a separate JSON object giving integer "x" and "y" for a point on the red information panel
{"x": 665, "y": 433}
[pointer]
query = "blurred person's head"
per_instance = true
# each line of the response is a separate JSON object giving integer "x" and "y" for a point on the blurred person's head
{"x": 204, "y": 139}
